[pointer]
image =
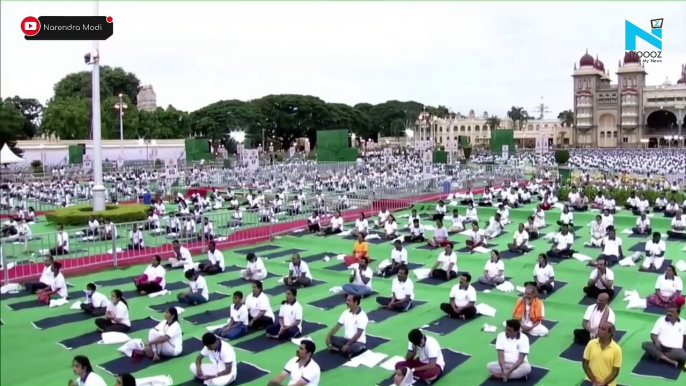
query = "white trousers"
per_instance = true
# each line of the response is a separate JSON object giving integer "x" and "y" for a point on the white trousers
{"x": 211, "y": 370}
{"x": 260, "y": 276}
{"x": 656, "y": 261}
{"x": 539, "y": 330}
{"x": 165, "y": 349}
{"x": 520, "y": 372}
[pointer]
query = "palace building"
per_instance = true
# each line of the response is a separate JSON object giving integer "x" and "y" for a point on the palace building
{"x": 622, "y": 114}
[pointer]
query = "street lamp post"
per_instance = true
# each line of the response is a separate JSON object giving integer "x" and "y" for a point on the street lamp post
{"x": 121, "y": 106}
{"x": 98, "y": 188}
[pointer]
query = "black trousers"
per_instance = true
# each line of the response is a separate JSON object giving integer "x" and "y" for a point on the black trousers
{"x": 391, "y": 270}
{"x": 313, "y": 227}
{"x": 107, "y": 325}
{"x": 35, "y": 287}
{"x": 547, "y": 288}
{"x": 441, "y": 274}
{"x": 533, "y": 235}
{"x": 582, "y": 336}
{"x": 561, "y": 254}
{"x": 210, "y": 269}
{"x": 331, "y": 231}
{"x": 610, "y": 259}
{"x": 468, "y": 312}
{"x": 484, "y": 203}
{"x": 260, "y": 323}
{"x": 593, "y": 291}
{"x": 149, "y": 287}
{"x": 89, "y": 309}
{"x": 438, "y": 216}
{"x": 136, "y": 247}
{"x": 638, "y": 212}
{"x": 676, "y": 235}
{"x": 58, "y": 251}
{"x": 637, "y": 231}
{"x": 414, "y": 239}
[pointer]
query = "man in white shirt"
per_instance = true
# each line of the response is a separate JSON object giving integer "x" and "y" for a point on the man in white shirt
{"x": 445, "y": 267}
{"x": 360, "y": 281}
{"x": 494, "y": 227}
{"x": 655, "y": 253}
{"x": 289, "y": 323}
{"x": 354, "y": 322}
{"x": 223, "y": 369}
{"x": 46, "y": 277}
{"x": 182, "y": 256}
{"x": 424, "y": 357}
{"x": 62, "y": 247}
{"x": 462, "y": 304}
{"x": 390, "y": 267}
{"x": 544, "y": 276}
{"x": 562, "y": 244}
{"x": 301, "y": 369}
{"x": 207, "y": 230}
{"x": 595, "y": 315}
{"x": 416, "y": 232}
{"x": 383, "y": 217}
{"x": 402, "y": 292}
{"x": 299, "y": 274}
{"x": 612, "y": 247}
{"x": 668, "y": 339}
{"x": 519, "y": 241}
{"x": 602, "y": 280}
{"x": 216, "y": 258}
{"x": 678, "y": 230}
{"x": 513, "y": 348}
{"x": 642, "y": 225}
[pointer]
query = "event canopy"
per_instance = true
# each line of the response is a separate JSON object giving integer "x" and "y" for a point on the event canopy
{"x": 7, "y": 156}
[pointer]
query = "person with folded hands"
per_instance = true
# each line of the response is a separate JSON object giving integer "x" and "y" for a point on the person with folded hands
{"x": 642, "y": 225}
{"x": 655, "y": 253}
{"x": 519, "y": 241}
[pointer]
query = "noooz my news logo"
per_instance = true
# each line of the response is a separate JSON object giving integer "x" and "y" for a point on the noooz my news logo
{"x": 653, "y": 37}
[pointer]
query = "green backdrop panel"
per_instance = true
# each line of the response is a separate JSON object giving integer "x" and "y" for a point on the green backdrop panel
{"x": 440, "y": 157}
{"x": 333, "y": 146}
{"x": 500, "y": 138}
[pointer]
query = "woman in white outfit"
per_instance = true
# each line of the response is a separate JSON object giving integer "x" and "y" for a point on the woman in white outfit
{"x": 223, "y": 369}
{"x": 598, "y": 231}
{"x": 166, "y": 339}
{"x": 81, "y": 366}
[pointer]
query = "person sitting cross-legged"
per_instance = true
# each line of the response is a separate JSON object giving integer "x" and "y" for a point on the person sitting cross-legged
{"x": 398, "y": 258}
{"x": 562, "y": 244}
{"x": 642, "y": 225}
{"x": 668, "y": 289}
{"x": 494, "y": 270}
{"x": 424, "y": 357}
{"x": 216, "y": 258}
{"x": 360, "y": 249}
{"x": 667, "y": 343}
{"x": 513, "y": 348}
{"x": 655, "y": 253}
{"x": 416, "y": 232}
{"x": 237, "y": 324}
{"x": 612, "y": 248}
{"x": 544, "y": 276}
{"x": 602, "y": 280}
{"x": 360, "y": 281}
{"x": 299, "y": 274}
{"x": 354, "y": 322}
{"x": 478, "y": 238}
{"x": 462, "y": 300}
{"x": 441, "y": 235}
{"x": 530, "y": 311}
{"x": 402, "y": 292}
{"x": 223, "y": 369}
{"x": 199, "y": 293}
{"x": 447, "y": 261}
{"x": 289, "y": 323}
{"x": 519, "y": 241}
{"x": 594, "y": 317}
{"x": 678, "y": 225}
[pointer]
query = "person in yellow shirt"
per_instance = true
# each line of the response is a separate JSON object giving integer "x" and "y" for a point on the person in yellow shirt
{"x": 360, "y": 249}
{"x": 602, "y": 358}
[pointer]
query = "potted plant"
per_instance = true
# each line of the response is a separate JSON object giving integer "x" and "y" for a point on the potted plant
{"x": 561, "y": 158}
{"x": 467, "y": 151}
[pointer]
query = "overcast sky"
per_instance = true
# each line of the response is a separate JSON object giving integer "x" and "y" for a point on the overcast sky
{"x": 481, "y": 56}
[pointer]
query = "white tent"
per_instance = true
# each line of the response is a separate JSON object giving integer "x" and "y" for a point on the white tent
{"x": 7, "y": 156}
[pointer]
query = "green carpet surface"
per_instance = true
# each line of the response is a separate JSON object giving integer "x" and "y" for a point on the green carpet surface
{"x": 20, "y": 340}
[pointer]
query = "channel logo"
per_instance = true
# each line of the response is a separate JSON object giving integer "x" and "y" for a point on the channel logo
{"x": 30, "y": 26}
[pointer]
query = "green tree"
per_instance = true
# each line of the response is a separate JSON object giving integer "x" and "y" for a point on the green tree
{"x": 289, "y": 116}
{"x": 566, "y": 118}
{"x": 384, "y": 114}
{"x": 493, "y": 122}
{"x": 11, "y": 126}
{"x": 31, "y": 109}
{"x": 519, "y": 117}
{"x": 217, "y": 120}
{"x": 110, "y": 118}
{"x": 67, "y": 118}
{"x": 113, "y": 81}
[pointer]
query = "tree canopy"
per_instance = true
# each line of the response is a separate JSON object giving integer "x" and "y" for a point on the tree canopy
{"x": 279, "y": 118}
{"x": 11, "y": 126}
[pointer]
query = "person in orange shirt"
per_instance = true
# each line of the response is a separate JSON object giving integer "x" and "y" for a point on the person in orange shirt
{"x": 531, "y": 321}
{"x": 360, "y": 249}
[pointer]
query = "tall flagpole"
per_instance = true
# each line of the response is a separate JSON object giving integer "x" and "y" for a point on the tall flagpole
{"x": 98, "y": 188}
